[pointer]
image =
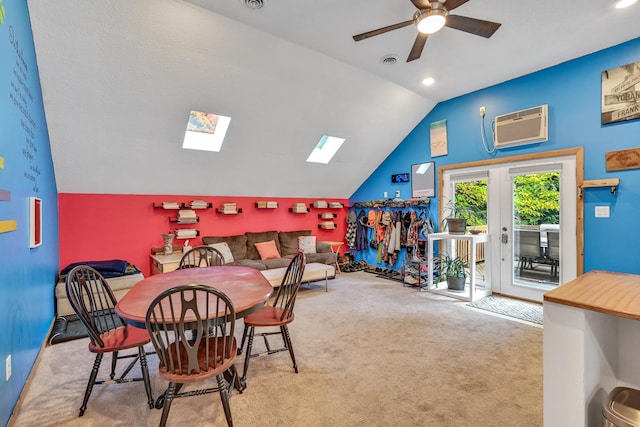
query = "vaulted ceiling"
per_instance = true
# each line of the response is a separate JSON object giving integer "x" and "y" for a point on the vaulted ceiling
{"x": 119, "y": 78}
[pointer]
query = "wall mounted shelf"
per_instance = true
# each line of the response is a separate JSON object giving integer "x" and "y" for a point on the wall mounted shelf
{"x": 239, "y": 211}
{"x": 612, "y": 182}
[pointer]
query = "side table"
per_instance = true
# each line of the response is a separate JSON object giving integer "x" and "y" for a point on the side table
{"x": 335, "y": 248}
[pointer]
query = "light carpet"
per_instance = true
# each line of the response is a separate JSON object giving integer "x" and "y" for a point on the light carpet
{"x": 371, "y": 352}
{"x": 518, "y": 309}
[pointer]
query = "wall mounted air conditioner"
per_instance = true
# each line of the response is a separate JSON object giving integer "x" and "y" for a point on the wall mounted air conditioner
{"x": 521, "y": 127}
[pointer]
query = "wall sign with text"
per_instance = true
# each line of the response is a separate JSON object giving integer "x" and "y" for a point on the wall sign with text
{"x": 621, "y": 93}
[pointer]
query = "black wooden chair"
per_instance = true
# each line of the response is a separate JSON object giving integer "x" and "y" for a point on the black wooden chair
{"x": 201, "y": 256}
{"x": 209, "y": 353}
{"x": 93, "y": 301}
{"x": 278, "y": 314}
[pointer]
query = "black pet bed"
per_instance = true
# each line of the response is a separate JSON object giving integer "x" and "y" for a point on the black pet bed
{"x": 67, "y": 328}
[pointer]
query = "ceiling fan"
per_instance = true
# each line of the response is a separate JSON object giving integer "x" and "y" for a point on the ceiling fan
{"x": 430, "y": 17}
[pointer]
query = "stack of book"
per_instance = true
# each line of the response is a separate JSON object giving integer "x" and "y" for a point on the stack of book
{"x": 327, "y": 225}
{"x": 186, "y": 233}
{"x": 321, "y": 204}
{"x": 198, "y": 204}
{"x": 299, "y": 208}
{"x": 187, "y": 216}
{"x": 336, "y": 205}
{"x": 170, "y": 205}
{"x": 263, "y": 204}
{"x": 229, "y": 208}
{"x": 327, "y": 215}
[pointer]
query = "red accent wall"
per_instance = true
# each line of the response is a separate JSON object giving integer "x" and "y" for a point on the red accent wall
{"x": 107, "y": 226}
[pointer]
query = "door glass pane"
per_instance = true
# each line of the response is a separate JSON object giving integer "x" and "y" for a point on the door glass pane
{"x": 536, "y": 227}
{"x": 471, "y": 203}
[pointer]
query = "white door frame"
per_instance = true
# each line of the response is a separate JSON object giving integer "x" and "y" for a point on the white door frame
{"x": 481, "y": 167}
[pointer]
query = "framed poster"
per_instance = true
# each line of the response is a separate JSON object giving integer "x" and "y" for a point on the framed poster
{"x": 621, "y": 93}
{"x": 423, "y": 180}
{"x": 438, "y": 137}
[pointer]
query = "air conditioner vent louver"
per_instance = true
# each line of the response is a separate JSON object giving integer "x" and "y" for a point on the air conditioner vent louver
{"x": 522, "y": 127}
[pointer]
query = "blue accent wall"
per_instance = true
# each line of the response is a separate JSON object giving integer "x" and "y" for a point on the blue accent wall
{"x": 27, "y": 275}
{"x": 573, "y": 92}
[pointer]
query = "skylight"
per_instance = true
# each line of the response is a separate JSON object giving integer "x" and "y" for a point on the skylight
{"x": 205, "y": 131}
{"x": 325, "y": 149}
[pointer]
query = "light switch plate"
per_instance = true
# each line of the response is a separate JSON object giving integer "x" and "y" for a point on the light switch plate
{"x": 602, "y": 211}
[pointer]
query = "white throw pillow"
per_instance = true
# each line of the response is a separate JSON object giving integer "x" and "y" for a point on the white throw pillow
{"x": 307, "y": 244}
{"x": 224, "y": 249}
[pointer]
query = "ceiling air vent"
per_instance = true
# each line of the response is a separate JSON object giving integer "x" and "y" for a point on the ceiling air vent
{"x": 389, "y": 59}
{"x": 254, "y": 4}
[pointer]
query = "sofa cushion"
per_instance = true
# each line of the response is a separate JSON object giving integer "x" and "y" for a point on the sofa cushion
{"x": 237, "y": 244}
{"x": 267, "y": 250}
{"x": 322, "y": 257}
{"x": 251, "y": 263}
{"x": 276, "y": 263}
{"x": 253, "y": 238}
{"x": 289, "y": 241}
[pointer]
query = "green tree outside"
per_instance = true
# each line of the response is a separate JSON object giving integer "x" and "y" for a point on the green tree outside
{"x": 536, "y": 199}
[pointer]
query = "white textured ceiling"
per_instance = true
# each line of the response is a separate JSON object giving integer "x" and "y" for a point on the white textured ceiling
{"x": 119, "y": 78}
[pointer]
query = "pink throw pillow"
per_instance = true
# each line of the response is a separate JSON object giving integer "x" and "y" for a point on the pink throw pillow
{"x": 267, "y": 250}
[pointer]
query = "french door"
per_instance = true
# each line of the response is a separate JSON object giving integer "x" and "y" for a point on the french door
{"x": 531, "y": 206}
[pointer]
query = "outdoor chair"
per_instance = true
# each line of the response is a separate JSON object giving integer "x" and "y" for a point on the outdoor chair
{"x": 527, "y": 248}
{"x": 279, "y": 314}
{"x": 209, "y": 353}
{"x": 553, "y": 242}
{"x": 201, "y": 256}
{"x": 93, "y": 301}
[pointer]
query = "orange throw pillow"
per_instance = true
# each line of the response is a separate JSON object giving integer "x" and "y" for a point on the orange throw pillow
{"x": 267, "y": 250}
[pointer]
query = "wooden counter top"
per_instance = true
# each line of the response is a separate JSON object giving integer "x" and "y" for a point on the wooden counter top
{"x": 617, "y": 294}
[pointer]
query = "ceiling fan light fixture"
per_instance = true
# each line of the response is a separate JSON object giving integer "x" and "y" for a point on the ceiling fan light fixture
{"x": 431, "y": 20}
{"x": 621, "y": 4}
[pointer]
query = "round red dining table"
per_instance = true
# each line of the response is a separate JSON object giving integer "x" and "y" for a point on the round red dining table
{"x": 246, "y": 287}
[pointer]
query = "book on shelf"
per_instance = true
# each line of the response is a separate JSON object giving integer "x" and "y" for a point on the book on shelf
{"x": 199, "y": 204}
{"x": 186, "y": 213}
{"x": 170, "y": 205}
{"x": 272, "y": 205}
{"x": 299, "y": 207}
{"x": 264, "y": 204}
{"x": 327, "y": 225}
{"x": 336, "y": 205}
{"x": 186, "y": 232}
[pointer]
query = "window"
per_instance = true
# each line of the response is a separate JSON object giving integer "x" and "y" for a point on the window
{"x": 325, "y": 149}
{"x": 205, "y": 131}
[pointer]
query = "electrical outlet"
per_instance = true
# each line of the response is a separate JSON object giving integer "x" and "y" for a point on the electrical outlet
{"x": 482, "y": 111}
{"x": 386, "y": 195}
{"x": 397, "y": 193}
{"x": 8, "y": 367}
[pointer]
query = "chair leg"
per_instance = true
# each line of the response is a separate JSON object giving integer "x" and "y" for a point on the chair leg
{"x": 287, "y": 340}
{"x": 247, "y": 355}
{"x": 171, "y": 389}
{"x": 145, "y": 376}
{"x": 244, "y": 337}
{"x": 225, "y": 391}
{"x": 114, "y": 362}
{"x": 92, "y": 380}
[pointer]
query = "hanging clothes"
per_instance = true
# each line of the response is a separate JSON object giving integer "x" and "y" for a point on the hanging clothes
{"x": 362, "y": 243}
{"x": 350, "y": 236}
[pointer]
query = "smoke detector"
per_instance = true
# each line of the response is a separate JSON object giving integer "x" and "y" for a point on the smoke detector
{"x": 254, "y": 4}
{"x": 389, "y": 59}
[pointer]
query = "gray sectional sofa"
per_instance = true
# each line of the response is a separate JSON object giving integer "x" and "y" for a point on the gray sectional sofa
{"x": 245, "y": 253}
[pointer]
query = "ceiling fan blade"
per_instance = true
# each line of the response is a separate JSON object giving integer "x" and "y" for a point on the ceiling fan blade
{"x": 422, "y": 4}
{"x": 472, "y": 25}
{"x": 418, "y": 46}
{"x": 382, "y": 30}
{"x": 452, "y": 4}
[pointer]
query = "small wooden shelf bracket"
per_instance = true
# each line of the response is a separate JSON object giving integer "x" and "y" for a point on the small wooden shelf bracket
{"x": 612, "y": 182}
